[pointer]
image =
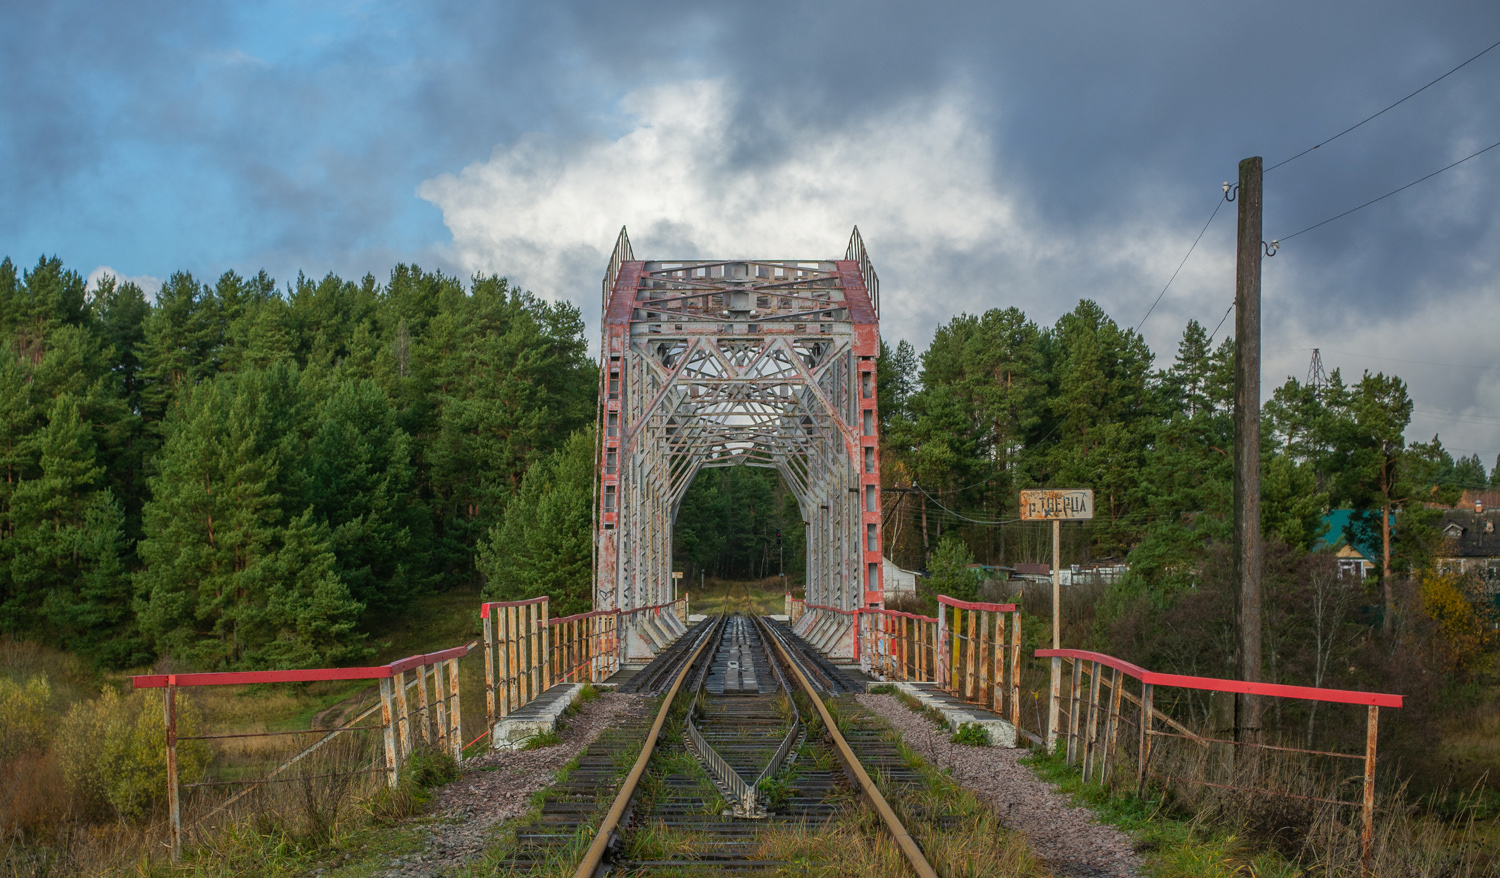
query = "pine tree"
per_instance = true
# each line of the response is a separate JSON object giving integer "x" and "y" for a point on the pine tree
{"x": 360, "y": 486}
{"x": 544, "y": 543}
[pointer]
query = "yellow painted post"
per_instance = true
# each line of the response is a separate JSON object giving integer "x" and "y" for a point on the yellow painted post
{"x": 424, "y": 729}
{"x": 440, "y": 702}
{"x": 546, "y": 658}
{"x": 969, "y": 658}
{"x": 1015, "y": 669}
{"x": 403, "y": 717}
{"x": 455, "y": 713}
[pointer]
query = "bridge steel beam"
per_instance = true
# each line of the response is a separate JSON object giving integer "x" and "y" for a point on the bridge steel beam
{"x": 739, "y": 362}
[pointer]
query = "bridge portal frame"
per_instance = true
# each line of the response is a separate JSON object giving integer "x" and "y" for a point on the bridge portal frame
{"x": 739, "y": 362}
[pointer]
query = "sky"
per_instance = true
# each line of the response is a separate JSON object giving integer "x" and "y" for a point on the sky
{"x": 992, "y": 155}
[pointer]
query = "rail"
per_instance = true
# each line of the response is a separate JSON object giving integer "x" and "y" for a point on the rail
{"x": 435, "y": 720}
{"x": 893, "y": 824}
{"x": 1093, "y": 729}
{"x": 594, "y": 856}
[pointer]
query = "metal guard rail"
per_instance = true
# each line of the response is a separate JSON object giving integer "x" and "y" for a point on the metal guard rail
{"x": 1214, "y": 684}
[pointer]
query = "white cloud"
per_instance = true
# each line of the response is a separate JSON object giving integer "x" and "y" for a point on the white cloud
{"x": 947, "y": 229}
{"x": 917, "y": 180}
{"x": 148, "y": 284}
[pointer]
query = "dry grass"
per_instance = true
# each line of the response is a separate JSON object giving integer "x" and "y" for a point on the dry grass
{"x": 724, "y": 596}
{"x": 1252, "y": 804}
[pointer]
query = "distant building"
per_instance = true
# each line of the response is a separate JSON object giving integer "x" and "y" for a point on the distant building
{"x": 898, "y": 582}
{"x": 1471, "y": 542}
{"x": 1355, "y": 561}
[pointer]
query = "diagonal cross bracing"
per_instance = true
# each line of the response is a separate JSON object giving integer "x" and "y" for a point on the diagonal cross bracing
{"x": 711, "y": 363}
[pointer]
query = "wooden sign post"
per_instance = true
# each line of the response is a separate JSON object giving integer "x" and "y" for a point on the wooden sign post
{"x": 1056, "y": 507}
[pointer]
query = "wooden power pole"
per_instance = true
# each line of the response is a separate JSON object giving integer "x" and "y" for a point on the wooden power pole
{"x": 1247, "y": 544}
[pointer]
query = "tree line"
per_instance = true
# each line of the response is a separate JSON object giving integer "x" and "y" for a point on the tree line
{"x": 240, "y": 475}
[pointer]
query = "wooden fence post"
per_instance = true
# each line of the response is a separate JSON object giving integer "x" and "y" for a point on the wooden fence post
{"x": 403, "y": 715}
{"x": 1144, "y": 754}
{"x": 1367, "y": 815}
{"x": 1112, "y": 731}
{"x": 488, "y": 615}
{"x": 1015, "y": 669}
{"x": 423, "y": 708}
{"x": 1090, "y": 743}
{"x": 940, "y": 669}
{"x": 440, "y": 705}
{"x": 1076, "y": 692}
{"x": 546, "y": 657}
{"x": 388, "y": 731}
{"x": 455, "y": 713}
{"x": 515, "y": 654}
{"x": 174, "y": 800}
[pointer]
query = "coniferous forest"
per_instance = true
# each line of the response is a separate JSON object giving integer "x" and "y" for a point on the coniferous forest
{"x": 245, "y": 474}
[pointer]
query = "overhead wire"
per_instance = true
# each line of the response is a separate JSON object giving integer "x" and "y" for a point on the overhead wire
{"x": 1382, "y": 112}
{"x": 1387, "y": 195}
{"x": 1218, "y": 203}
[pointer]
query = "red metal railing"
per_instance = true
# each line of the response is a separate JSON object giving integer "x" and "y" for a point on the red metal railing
{"x": 437, "y": 719}
{"x": 1092, "y": 731}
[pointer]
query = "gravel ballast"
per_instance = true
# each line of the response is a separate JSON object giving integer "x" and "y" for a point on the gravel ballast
{"x": 497, "y": 786}
{"x": 1068, "y": 839}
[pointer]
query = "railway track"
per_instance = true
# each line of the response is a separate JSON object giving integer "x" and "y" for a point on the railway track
{"x": 738, "y": 755}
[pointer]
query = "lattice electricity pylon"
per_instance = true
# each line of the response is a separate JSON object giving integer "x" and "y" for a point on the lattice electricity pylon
{"x": 748, "y": 362}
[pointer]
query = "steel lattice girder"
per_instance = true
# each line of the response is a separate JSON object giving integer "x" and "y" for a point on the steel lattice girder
{"x": 766, "y": 363}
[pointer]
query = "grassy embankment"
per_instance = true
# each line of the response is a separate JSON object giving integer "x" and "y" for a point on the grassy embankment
{"x": 82, "y": 774}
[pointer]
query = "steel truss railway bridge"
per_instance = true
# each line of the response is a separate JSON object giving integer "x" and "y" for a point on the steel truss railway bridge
{"x": 738, "y": 362}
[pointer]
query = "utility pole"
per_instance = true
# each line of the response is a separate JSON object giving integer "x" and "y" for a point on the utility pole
{"x": 1247, "y": 545}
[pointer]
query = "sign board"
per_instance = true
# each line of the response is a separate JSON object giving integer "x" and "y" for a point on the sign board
{"x": 1070, "y": 505}
{"x": 677, "y": 574}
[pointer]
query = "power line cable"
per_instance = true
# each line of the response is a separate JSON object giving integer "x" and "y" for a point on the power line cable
{"x": 1218, "y": 203}
{"x": 1221, "y": 323}
{"x": 1382, "y": 112}
{"x": 1387, "y": 195}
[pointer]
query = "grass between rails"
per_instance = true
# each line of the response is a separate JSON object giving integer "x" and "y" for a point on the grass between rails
{"x": 959, "y": 834}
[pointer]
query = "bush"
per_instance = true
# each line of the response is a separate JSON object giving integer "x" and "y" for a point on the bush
{"x": 114, "y": 756}
{"x": 972, "y": 734}
{"x": 23, "y": 716}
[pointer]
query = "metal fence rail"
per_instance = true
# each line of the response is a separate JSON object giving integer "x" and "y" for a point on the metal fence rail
{"x": 432, "y": 717}
{"x": 1093, "y": 725}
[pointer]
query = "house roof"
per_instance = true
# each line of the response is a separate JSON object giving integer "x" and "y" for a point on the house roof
{"x": 1336, "y": 537}
{"x": 1469, "y": 534}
